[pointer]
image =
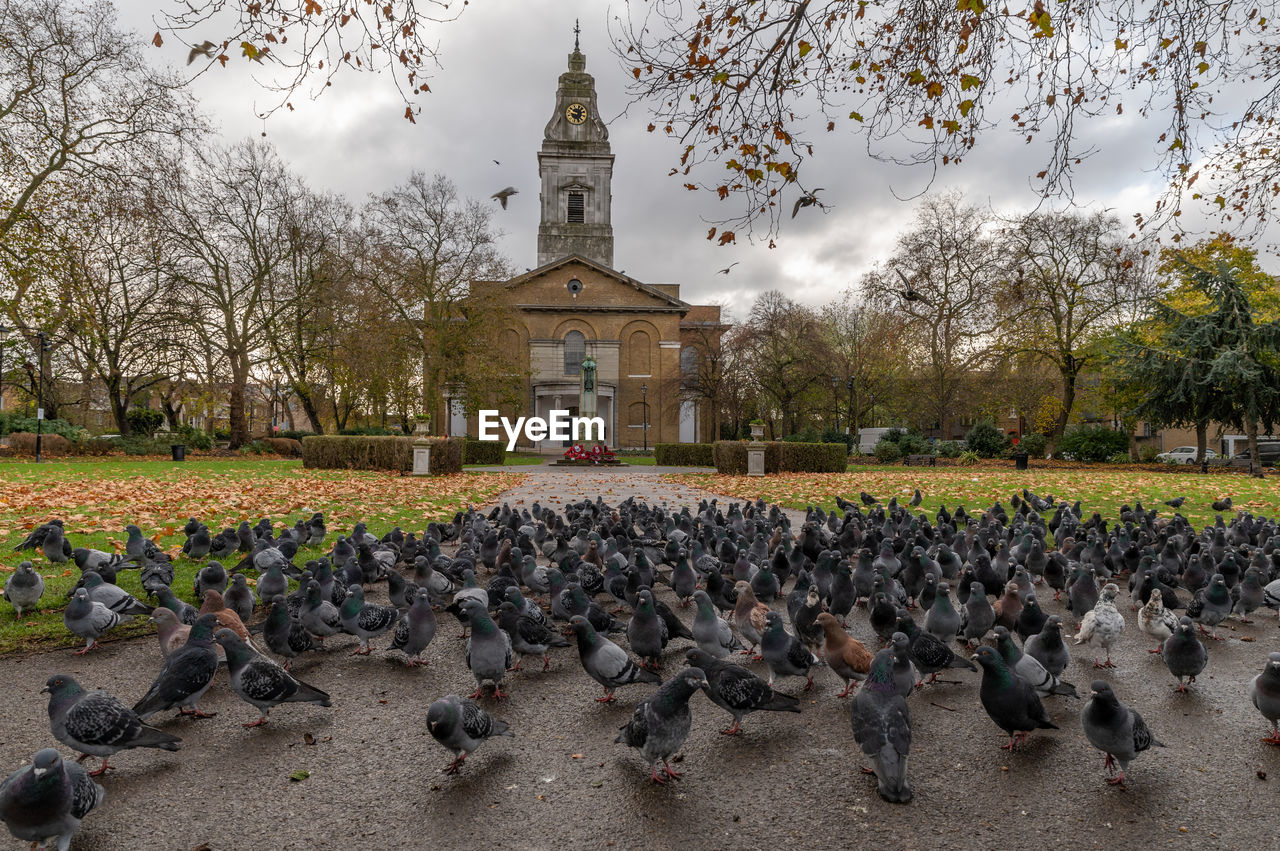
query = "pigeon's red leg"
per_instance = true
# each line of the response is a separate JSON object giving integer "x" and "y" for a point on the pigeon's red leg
{"x": 654, "y": 776}
{"x": 736, "y": 729}
{"x": 257, "y": 723}
{"x": 671, "y": 772}
{"x": 498, "y": 693}
{"x": 101, "y": 771}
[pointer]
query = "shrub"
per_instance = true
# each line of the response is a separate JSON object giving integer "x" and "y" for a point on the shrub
{"x": 1093, "y": 443}
{"x": 144, "y": 421}
{"x": 1119, "y": 458}
{"x": 1034, "y": 444}
{"x": 1147, "y": 453}
{"x": 684, "y": 455}
{"x": 93, "y": 446}
{"x": 257, "y": 447}
{"x": 195, "y": 438}
{"x": 369, "y": 431}
{"x": 887, "y": 451}
{"x": 297, "y": 434}
{"x": 811, "y": 458}
{"x": 488, "y": 452}
{"x": 949, "y": 448}
{"x": 24, "y": 443}
{"x": 222, "y": 434}
{"x": 355, "y": 452}
{"x": 286, "y": 447}
{"x": 967, "y": 458}
{"x": 17, "y": 422}
{"x": 986, "y": 440}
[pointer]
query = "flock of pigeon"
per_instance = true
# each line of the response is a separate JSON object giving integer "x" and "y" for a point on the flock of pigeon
{"x": 928, "y": 587}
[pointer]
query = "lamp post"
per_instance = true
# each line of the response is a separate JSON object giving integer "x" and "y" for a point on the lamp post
{"x": 644, "y": 407}
{"x": 275, "y": 398}
{"x": 848, "y": 383}
{"x": 40, "y": 350}
{"x": 4, "y": 334}
{"x": 835, "y": 401}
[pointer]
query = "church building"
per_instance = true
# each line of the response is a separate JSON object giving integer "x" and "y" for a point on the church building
{"x": 645, "y": 340}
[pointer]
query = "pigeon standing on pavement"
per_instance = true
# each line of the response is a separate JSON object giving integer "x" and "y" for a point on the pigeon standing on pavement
{"x": 882, "y": 728}
{"x": 1010, "y": 702}
{"x": 24, "y": 588}
{"x": 461, "y": 726}
{"x": 88, "y": 619}
{"x": 1115, "y": 729}
{"x": 239, "y": 598}
{"x": 284, "y": 634}
{"x": 660, "y": 724}
{"x": 415, "y": 630}
{"x": 262, "y": 683}
{"x": 1048, "y": 648}
{"x": 1102, "y": 624}
{"x": 95, "y": 723}
{"x": 489, "y": 653}
{"x": 977, "y": 617}
{"x": 1157, "y": 621}
{"x": 736, "y": 690}
{"x": 186, "y": 676}
{"x": 1184, "y": 654}
{"x": 1264, "y": 691}
{"x": 605, "y": 662}
{"x": 47, "y": 799}
{"x": 1029, "y": 668}
{"x": 365, "y": 621}
{"x": 785, "y": 654}
{"x": 846, "y": 656}
{"x": 712, "y": 632}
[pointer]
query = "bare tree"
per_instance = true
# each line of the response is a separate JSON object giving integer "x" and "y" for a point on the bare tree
{"x": 1074, "y": 278}
{"x": 787, "y": 356}
{"x": 867, "y": 355}
{"x": 229, "y": 226}
{"x": 940, "y": 280}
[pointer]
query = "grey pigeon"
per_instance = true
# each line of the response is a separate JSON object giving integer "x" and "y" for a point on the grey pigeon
{"x": 978, "y": 616}
{"x": 365, "y": 621}
{"x": 1048, "y": 648}
{"x": 1010, "y": 701}
{"x": 47, "y": 799}
{"x": 736, "y": 690}
{"x": 1211, "y": 605}
{"x": 88, "y": 619}
{"x": 489, "y": 651}
{"x": 527, "y": 635}
{"x": 1029, "y": 668}
{"x": 785, "y": 654}
{"x": 113, "y": 597}
{"x": 605, "y": 662}
{"x": 24, "y": 588}
{"x": 271, "y": 584}
{"x": 239, "y": 597}
{"x": 882, "y": 728}
{"x": 1103, "y": 624}
{"x": 646, "y": 632}
{"x": 1115, "y": 729}
{"x": 96, "y": 723}
{"x": 185, "y": 612}
{"x": 461, "y": 727}
{"x": 261, "y": 682}
{"x": 198, "y": 543}
{"x": 415, "y": 630}
{"x": 712, "y": 632}
{"x": 55, "y": 546}
{"x": 930, "y": 655}
{"x": 1184, "y": 654}
{"x": 1264, "y": 691}
{"x": 1157, "y": 621}
{"x": 285, "y": 635}
{"x": 660, "y": 724}
{"x": 319, "y": 616}
{"x": 212, "y": 575}
{"x": 942, "y": 620}
{"x": 186, "y": 675}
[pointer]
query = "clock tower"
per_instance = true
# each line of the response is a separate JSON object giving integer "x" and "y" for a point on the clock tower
{"x": 576, "y": 168}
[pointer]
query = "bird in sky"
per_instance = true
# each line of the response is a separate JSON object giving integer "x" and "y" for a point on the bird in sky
{"x": 503, "y": 194}
{"x": 726, "y": 269}
{"x": 204, "y": 49}
{"x": 809, "y": 199}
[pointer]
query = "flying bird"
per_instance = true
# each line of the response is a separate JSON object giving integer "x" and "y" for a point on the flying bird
{"x": 204, "y": 49}
{"x": 503, "y": 194}
{"x": 910, "y": 293}
{"x": 726, "y": 269}
{"x": 809, "y": 199}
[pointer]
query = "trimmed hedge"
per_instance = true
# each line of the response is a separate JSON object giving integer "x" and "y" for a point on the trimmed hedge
{"x": 285, "y": 446}
{"x": 781, "y": 457}
{"x": 684, "y": 455}
{"x": 341, "y": 452}
{"x": 489, "y": 452}
{"x": 24, "y": 443}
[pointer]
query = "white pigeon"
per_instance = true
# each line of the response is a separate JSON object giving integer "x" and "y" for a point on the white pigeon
{"x": 1103, "y": 624}
{"x": 1157, "y": 621}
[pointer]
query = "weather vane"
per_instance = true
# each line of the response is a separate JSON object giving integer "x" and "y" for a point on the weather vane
{"x": 576, "y": 30}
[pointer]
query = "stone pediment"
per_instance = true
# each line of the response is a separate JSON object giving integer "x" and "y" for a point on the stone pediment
{"x": 603, "y": 289}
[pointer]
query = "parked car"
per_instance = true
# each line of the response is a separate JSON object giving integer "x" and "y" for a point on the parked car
{"x": 1268, "y": 453}
{"x": 1184, "y": 455}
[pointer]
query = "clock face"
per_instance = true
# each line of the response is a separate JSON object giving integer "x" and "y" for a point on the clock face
{"x": 576, "y": 113}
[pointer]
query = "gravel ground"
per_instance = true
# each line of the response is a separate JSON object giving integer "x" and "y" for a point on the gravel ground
{"x": 375, "y": 780}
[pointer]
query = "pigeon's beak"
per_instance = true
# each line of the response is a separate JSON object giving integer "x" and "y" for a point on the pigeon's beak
{"x": 39, "y": 772}
{"x": 45, "y": 690}
{"x": 974, "y": 657}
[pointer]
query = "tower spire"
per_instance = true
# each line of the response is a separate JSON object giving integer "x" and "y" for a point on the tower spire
{"x": 576, "y": 30}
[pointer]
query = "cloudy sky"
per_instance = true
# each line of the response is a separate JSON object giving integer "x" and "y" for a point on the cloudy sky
{"x": 495, "y": 92}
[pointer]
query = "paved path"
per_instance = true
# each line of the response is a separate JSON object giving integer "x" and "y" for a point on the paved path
{"x": 375, "y": 777}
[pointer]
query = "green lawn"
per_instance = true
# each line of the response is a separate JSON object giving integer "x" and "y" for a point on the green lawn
{"x": 637, "y": 460}
{"x": 97, "y": 498}
{"x": 1102, "y": 490}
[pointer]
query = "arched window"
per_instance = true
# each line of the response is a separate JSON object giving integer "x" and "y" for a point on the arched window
{"x": 636, "y": 414}
{"x": 638, "y": 352}
{"x": 575, "y": 349}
